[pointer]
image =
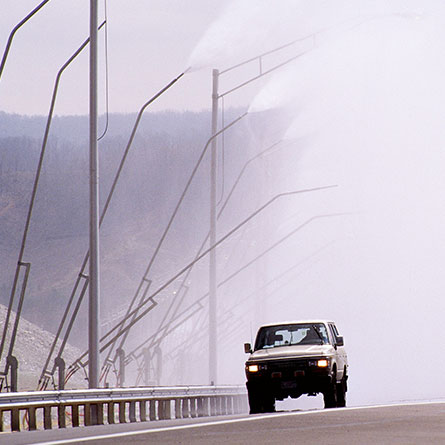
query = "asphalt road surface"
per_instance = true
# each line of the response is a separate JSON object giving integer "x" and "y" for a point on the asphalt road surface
{"x": 415, "y": 423}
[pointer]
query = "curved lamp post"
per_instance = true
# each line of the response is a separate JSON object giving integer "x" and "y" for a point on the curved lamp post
{"x": 150, "y": 299}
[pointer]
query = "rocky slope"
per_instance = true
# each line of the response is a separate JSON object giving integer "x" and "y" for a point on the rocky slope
{"x": 31, "y": 348}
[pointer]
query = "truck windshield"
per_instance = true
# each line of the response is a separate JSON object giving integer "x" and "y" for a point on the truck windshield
{"x": 291, "y": 334}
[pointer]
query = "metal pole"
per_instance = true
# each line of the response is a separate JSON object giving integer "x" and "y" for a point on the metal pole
{"x": 11, "y": 36}
{"x": 93, "y": 314}
{"x": 213, "y": 356}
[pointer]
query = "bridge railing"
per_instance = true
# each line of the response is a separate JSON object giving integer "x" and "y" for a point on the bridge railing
{"x": 60, "y": 409}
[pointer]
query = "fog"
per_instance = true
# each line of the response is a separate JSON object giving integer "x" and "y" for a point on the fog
{"x": 361, "y": 111}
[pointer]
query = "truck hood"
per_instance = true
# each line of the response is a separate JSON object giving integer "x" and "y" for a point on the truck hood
{"x": 296, "y": 351}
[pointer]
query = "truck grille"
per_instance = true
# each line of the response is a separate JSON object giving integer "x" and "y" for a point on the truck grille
{"x": 286, "y": 366}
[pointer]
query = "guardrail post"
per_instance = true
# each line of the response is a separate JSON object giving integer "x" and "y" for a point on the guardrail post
{"x": 152, "y": 409}
{"x": 178, "y": 412}
{"x": 235, "y": 404}
{"x": 213, "y": 401}
{"x": 193, "y": 412}
{"x": 232, "y": 404}
{"x": 161, "y": 409}
{"x": 164, "y": 409}
{"x": 47, "y": 421}
{"x": 122, "y": 412}
{"x": 100, "y": 413}
{"x": 219, "y": 405}
{"x": 61, "y": 418}
{"x": 75, "y": 415}
{"x": 143, "y": 410}
{"x": 205, "y": 406}
{"x": 185, "y": 407}
{"x": 222, "y": 405}
{"x": 216, "y": 409}
{"x": 110, "y": 412}
{"x": 225, "y": 404}
{"x": 32, "y": 423}
{"x": 1, "y": 420}
{"x": 200, "y": 409}
{"x": 87, "y": 414}
{"x": 241, "y": 404}
{"x": 244, "y": 404}
{"x": 15, "y": 419}
{"x": 168, "y": 409}
{"x": 132, "y": 412}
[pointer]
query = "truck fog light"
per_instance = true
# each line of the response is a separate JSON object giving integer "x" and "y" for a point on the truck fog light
{"x": 253, "y": 368}
{"x": 322, "y": 363}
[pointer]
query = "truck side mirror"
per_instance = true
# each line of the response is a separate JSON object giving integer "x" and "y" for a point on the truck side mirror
{"x": 340, "y": 341}
{"x": 247, "y": 348}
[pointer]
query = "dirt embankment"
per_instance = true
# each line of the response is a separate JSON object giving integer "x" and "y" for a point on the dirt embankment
{"x": 31, "y": 350}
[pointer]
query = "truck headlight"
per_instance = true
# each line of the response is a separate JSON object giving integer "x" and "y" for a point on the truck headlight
{"x": 253, "y": 368}
{"x": 323, "y": 363}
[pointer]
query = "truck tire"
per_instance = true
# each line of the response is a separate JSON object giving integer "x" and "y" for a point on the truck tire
{"x": 341, "y": 392}
{"x": 330, "y": 394}
{"x": 260, "y": 402}
{"x": 255, "y": 405}
{"x": 269, "y": 404}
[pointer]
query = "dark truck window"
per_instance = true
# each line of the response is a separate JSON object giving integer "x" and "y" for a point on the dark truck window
{"x": 334, "y": 332}
{"x": 291, "y": 334}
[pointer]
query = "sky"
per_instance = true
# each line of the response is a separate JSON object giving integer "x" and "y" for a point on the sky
{"x": 149, "y": 43}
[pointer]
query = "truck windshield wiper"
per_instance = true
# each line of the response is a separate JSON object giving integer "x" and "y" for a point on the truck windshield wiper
{"x": 318, "y": 333}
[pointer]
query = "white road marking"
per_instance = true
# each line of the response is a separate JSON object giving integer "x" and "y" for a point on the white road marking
{"x": 228, "y": 421}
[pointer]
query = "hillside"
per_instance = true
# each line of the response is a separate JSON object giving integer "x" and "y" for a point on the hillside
{"x": 30, "y": 344}
{"x": 159, "y": 163}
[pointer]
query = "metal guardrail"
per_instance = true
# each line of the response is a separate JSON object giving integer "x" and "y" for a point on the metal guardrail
{"x": 31, "y": 410}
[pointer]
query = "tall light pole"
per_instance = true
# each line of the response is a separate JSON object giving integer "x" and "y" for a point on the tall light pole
{"x": 213, "y": 301}
{"x": 213, "y": 356}
{"x": 94, "y": 300}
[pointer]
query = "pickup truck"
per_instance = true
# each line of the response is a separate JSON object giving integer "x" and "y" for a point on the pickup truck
{"x": 294, "y": 358}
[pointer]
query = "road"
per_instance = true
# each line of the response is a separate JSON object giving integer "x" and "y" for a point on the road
{"x": 415, "y": 423}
